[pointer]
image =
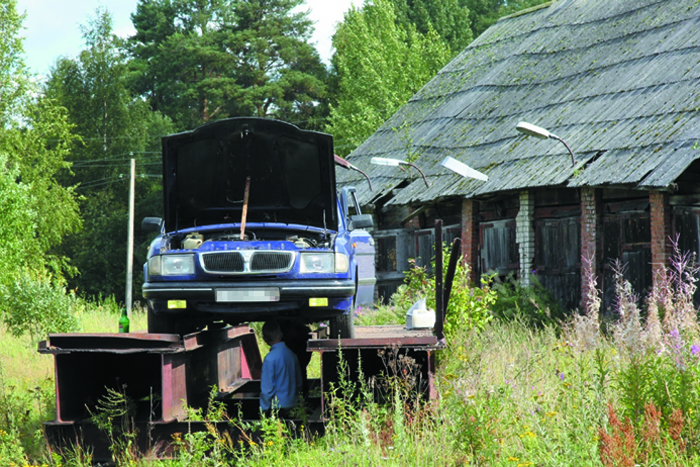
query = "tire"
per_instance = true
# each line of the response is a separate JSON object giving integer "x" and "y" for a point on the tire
{"x": 343, "y": 326}
{"x": 160, "y": 323}
{"x": 166, "y": 323}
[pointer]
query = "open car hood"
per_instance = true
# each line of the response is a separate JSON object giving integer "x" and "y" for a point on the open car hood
{"x": 292, "y": 176}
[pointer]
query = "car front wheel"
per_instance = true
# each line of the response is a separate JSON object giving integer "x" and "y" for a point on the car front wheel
{"x": 343, "y": 326}
{"x": 167, "y": 323}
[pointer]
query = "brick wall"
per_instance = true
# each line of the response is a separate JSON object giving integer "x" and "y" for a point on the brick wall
{"x": 413, "y": 222}
{"x": 591, "y": 236}
{"x": 525, "y": 235}
{"x": 660, "y": 232}
{"x": 470, "y": 237}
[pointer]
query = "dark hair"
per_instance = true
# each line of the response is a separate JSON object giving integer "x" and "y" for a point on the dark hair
{"x": 271, "y": 331}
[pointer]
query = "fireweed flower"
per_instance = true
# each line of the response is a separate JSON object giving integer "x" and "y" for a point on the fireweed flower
{"x": 695, "y": 350}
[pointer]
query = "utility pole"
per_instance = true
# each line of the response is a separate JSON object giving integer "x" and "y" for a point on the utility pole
{"x": 130, "y": 242}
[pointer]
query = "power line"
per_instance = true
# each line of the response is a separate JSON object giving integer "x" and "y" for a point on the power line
{"x": 128, "y": 155}
{"x": 109, "y": 180}
{"x": 120, "y": 164}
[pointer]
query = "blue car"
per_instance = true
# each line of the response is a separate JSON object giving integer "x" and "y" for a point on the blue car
{"x": 254, "y": 229}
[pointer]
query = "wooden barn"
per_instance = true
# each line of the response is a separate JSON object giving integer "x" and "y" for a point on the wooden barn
{"x": 618, "y": 81}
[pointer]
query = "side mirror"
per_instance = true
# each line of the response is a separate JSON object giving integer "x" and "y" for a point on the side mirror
{"x": 361, "y": 221}
{"x": 152, "y": 224}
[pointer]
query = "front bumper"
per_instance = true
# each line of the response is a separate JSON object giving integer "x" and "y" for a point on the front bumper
{"x": 288, "y": 290}
{"x": 294, "y": 299}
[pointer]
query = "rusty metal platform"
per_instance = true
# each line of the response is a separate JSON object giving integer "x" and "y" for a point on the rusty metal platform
{"x": 380, "y": 336}
{"x": 378, "y": 352}
{"x": 164, "y": 374}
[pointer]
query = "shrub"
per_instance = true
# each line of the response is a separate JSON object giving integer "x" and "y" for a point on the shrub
{"x": 532, "y": 305}
{"x": 23, "y": 405}
{"x": 468, "y": 308}
{"x": 37, "y": 307}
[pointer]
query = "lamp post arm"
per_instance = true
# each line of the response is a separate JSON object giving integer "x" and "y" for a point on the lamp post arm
{"x": 343, "y": 163}
{"x": 421, "y": 172}
{"x": 573, "y": 159}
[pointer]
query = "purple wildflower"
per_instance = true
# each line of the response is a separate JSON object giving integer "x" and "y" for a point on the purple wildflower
{"x": 695, "y": 350}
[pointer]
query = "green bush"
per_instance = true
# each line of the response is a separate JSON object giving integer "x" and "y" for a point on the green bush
{"x": 23, "y": 405}
{"x": 37, "y": 307}
{"x": 532, "y": 305}
{"x": 468, "y": 308}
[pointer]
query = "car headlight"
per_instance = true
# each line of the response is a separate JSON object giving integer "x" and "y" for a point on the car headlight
{"x": 171, "y": 265}
{"x": 319, "y": 263}
{"x": 324, "y": 263}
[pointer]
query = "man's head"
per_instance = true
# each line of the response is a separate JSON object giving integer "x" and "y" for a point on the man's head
{"x": 271, "y": 332}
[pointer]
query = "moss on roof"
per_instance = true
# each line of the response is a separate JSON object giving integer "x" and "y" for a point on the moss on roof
{"x": 614, "y": 78}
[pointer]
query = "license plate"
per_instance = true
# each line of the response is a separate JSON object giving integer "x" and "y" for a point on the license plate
{"x": 252, "y": 294}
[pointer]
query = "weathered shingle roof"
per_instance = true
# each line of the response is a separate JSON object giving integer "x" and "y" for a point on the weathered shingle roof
{"x": 619, "y": 80}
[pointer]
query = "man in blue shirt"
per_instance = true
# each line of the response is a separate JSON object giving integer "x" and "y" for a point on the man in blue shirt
{"x": 280, "y": 383}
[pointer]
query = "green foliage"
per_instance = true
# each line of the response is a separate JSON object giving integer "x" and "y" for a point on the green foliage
{"x": 37, "y": 306}
{"x": 11, "y": 450}
{"x": 449, "y": 18}
{"x": 14, "y": 80}
{"x": 532, "y": 305}
{"x": 210, "y": 447}
{"x": 509, "y": 395}
{"x": 110, "y": 126}
{"x": 379, "y": 65}
{"x": 114, "y": 415}
{"x": 18, "y": 248}
{"x": 667, "y": 381}
{"x": 469, "y": 307}
{"x": 38, "y": 147}
{"x": 476, "y": 423}
{"x": 23, "y": 406}
{"x": 199, "y": 61}
{"x": 34, "y": 139}
{"x": 483, "y": 13}
{"x": 279, "y": 73}
{"x": 380, "y": 315}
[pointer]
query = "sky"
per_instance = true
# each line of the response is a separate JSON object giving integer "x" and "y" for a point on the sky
{"x": 52, "y": 27}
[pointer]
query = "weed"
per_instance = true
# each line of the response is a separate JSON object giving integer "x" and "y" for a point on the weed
{"x": 469, "y": 307}
{"x": 114, "y": 416}
{"x": 532, "y": 305}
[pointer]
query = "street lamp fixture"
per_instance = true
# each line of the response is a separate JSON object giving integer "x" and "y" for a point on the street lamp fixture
{"x": 462, "y": 169}
{"x": 396, "y": 163}
{"x": 533, "y": 130}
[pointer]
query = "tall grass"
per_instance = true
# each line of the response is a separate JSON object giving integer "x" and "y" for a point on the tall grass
{"x": 513, "y": 392}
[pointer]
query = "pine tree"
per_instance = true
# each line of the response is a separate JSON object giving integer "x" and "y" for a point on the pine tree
{"x": 202, "y": 60}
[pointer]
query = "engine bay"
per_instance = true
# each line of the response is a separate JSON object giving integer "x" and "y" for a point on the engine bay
{"x": 301, "y": 239}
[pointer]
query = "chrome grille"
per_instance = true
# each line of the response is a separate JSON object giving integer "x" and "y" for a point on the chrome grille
{"x": 271, "y": 261}
{"x": 230, "y": 261}
{"x": 247, "y": 262}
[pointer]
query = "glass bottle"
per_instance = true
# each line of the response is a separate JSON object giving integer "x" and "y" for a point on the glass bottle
{"x": 124, "y": 321}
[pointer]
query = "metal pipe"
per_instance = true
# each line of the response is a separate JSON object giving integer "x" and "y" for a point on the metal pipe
{"x": 439, "y": 308}
{"x": 450, "y": 275}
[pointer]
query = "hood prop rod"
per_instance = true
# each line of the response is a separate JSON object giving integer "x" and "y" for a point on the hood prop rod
{"x": 244, "y": 213}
